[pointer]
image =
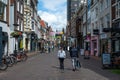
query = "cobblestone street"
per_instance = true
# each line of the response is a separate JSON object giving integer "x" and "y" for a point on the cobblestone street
{"x": 46, "y": 67}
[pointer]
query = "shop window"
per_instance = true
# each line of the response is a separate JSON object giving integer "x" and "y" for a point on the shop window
{"x": 117, "y": 45}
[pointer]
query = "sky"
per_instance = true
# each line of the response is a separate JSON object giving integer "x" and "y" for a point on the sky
{"x": 54, "y": 12}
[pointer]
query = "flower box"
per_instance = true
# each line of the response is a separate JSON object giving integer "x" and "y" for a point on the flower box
{"x": 16, "y": 34}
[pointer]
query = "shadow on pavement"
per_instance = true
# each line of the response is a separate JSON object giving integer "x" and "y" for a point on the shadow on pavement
{"x": 57, "y": 67}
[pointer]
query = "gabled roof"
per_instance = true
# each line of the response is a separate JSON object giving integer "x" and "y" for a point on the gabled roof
{"x": 42, "y": 23}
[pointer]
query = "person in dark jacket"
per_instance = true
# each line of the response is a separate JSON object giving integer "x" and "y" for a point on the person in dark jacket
{"x": 70, "y": 51}
{"x": 74, "y": 56}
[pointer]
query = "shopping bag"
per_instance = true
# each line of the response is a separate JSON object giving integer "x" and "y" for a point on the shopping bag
{"x": 78, "y": 64}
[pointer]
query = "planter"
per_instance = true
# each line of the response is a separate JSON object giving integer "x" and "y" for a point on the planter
{"x": 16, "y": 34}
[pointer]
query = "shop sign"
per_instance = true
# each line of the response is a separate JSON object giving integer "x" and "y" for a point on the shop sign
{"x": 103, "y": 36}
{"x": 95, "y": 31}
{"x": 106, "y": 59}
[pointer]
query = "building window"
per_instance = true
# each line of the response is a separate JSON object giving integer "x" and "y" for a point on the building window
{"x": 107, "y": 20}
{"x": 117, "y": 45}
{"x": 32, "y": 25}
{"x": 101, "y": 24}
{"x": 117, "y": 0}
{"x": 21, "y": 9}
{"x": 107, "y": 3}
{"x": 2, "y": 11}
{"x": 18, "y": 6}
{"x": 96, "y": 11}
{"x": 101, "y": 6}
{"x": 21, "y": 27}
{"x": 18, "y": 24}
{"x": 25, "y": 1}
{"x": 117, "y": 9}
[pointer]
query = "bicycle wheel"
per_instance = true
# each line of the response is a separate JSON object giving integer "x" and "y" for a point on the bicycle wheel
{"x": 24, "y": 57}
{"x": 14, "y": 60}
{"x": 9, "y": 62}
{"x": 3, "y": 66}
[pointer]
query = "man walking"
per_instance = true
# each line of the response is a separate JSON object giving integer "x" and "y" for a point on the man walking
{"x": 74, "y": 56}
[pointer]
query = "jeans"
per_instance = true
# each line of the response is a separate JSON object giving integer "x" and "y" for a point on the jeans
{"x": 74, "y": 62}
{"x": 61, "y": 60}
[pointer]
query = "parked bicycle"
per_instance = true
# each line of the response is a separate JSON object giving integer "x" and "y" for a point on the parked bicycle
{"x": 8, "y": 60}
{"x": 21, "y": 56}
{"x": 3, "y": 65}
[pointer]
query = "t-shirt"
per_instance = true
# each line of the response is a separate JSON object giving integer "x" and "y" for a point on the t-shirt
{"x": 61, "y": 54}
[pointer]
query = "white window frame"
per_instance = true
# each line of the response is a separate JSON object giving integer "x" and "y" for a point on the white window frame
{"x": 21, "y": 9}
{"x": 18, "y": 24}
{"x": 4, "y": 1}
{"x": 21, "y": 29}
{"x": 18, "y": 6}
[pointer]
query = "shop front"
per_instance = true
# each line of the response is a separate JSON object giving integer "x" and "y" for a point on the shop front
{"x": 116, "y": 42}
{"x": 17, "y": 35}
{"x": 115, "y": 37}
{"x": 20, "y": 43}
{"x": 3, "y": 43}
{"x": 33, "y": 43}
{"x": 87, "y": 44}
{"x": 105, "y": 43}
{"x": 94, "y": 45}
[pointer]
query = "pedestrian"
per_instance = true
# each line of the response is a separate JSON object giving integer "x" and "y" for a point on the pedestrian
{"x": 61, "y": 57}
{"x": 74, "y": 56}
{"x": 70, "y": 51}
{"x": 49, "y": 48}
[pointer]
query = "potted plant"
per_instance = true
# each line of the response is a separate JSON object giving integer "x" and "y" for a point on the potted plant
{"x": 16, "y": 34}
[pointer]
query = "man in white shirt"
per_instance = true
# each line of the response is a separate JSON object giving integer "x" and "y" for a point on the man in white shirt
{"x": 61, "y": 55}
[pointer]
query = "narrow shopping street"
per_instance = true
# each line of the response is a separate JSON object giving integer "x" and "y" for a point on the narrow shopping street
{"x": 90, "y": 27}
{"x": 46, "y": 67}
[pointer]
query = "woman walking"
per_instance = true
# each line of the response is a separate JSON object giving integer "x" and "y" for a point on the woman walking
{"x": 61, "y": 57}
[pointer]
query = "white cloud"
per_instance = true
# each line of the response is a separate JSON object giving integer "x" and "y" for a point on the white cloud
{"x": 48, "y": 17}
{"x": 52, "y": 4}
{"x": 55, "y": 15}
